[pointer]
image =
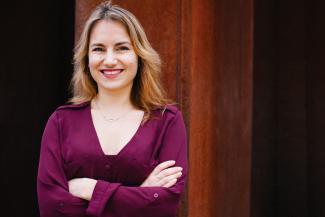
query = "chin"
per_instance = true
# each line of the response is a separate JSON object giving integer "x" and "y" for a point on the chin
{"x": 114, "y": 87}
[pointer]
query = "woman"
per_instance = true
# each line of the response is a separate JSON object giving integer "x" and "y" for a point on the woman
{"x": 119, "y": 148}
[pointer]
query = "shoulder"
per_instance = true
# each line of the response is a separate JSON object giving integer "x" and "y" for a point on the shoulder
{"x": 69, "y": 111}
{"x": 167, "y": 110}
{"x": 171, "y": 117}
{"x": 73, "y": 106}
{"x": 168, "y": 113}
{"x": 171, "y": 108}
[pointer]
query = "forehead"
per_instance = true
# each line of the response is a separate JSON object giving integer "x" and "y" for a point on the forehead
{"x": 108, "y": 31}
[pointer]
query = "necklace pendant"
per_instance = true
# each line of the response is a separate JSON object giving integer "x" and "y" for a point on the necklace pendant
{"x": 110, "y": 119}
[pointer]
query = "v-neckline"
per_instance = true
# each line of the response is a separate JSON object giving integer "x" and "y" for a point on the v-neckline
{"x": 97, "y": 141}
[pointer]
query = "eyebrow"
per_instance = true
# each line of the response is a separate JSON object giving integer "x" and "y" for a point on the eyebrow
{"x": 123, "y": 42}
{"x": 117, "y": 44}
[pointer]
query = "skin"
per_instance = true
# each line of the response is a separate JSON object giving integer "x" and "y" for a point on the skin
{"x": 111, "y": 54}
{"x": 114, "y": 52}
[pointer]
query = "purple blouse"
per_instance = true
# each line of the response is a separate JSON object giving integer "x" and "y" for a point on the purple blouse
{"x": 70, "y": 149}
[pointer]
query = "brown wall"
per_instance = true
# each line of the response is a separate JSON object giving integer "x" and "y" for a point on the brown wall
{"x": 220, "y": 97}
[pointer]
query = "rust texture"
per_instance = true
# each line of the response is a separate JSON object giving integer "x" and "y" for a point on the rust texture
{"x": 220, "y": 108}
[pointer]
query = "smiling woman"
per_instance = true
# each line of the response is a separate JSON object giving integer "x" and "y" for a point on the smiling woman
{"x": 121, "y": 143}
{"x": 113, "y": 63}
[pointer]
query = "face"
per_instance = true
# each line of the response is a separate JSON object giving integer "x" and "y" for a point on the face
{"x": 113, "y": 62}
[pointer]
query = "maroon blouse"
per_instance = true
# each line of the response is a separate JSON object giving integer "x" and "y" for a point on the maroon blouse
{"x": 70, "y": 149}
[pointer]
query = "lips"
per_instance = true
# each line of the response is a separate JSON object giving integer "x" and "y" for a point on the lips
{"x": 111, "y": 73}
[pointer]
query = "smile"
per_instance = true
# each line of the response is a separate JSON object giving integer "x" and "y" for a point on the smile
{"x": 111, "y": 73}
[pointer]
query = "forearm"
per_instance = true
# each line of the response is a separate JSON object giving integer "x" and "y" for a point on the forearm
{"x": 55, "y": 201}
{"x": 82, "y": 187}
{"x": 112, "y": 200}
{"x": 54, "y": 198}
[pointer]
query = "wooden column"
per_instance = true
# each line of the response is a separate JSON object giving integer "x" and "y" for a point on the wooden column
{"x": 206, "y": 48}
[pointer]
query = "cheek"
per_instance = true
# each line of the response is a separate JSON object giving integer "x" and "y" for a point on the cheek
{"x": 92, "y": 65}
{"x": 132, "y": 62}
{"x": 92, "y": 60}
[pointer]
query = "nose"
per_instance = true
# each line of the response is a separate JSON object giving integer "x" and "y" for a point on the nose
{"x": 110, "y": 58}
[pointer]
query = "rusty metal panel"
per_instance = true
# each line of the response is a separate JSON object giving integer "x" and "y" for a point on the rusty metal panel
{"x": 220, "y": 108}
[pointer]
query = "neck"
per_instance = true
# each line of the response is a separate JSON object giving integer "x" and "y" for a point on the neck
{"x": 114, "y": 101}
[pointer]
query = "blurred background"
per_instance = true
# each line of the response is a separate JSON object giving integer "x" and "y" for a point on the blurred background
{"x": 248, "y": 76}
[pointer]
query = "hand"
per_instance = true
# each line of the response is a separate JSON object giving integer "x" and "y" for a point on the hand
{"x": 163, "y": 176}
{"x": 82, "y": 187}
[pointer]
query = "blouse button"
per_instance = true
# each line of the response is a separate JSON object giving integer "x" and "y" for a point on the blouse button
{"x": 155, "y": 195}
{"x": 107, "y": 166}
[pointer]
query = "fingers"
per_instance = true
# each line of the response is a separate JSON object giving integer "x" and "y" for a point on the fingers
{"x": 170, "y": 184}
{"x": 163, "y": 166}
{"x": 170, "y": 180}
{"x": 169, "y": 171}
{"x": 164, "y": 175}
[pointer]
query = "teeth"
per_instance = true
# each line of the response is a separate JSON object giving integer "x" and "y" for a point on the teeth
{"x": 111, "y": 72}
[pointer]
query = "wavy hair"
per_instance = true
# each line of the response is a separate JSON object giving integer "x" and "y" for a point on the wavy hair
{"x": 147, "y": 92}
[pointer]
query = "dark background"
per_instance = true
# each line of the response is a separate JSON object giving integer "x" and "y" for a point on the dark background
{"x": 288, "y": 151}
{"x": 288, "y": 142}
{"x": 36, "y": 54}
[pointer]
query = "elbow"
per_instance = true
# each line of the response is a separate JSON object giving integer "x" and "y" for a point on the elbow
{"x": 48, "y": 208}
{"x": 54, "y": 201}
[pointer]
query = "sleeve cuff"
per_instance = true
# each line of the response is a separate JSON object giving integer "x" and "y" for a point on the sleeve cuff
{"x": 102, "y": 193}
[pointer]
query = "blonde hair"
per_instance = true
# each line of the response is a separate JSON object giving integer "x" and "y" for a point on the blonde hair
{"x": 147, "y": 92}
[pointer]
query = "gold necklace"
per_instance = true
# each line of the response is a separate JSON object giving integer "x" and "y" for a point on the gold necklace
{"x": 110, "y": 120}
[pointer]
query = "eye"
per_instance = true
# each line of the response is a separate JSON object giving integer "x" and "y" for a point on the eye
{"x": 123, "y": 48}
{"x": 97, "y": 49}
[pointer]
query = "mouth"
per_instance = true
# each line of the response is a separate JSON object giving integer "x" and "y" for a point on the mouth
{"x": 111, "y": 73}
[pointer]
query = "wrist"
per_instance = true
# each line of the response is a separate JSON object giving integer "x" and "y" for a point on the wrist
{"x": 89, "y": 188}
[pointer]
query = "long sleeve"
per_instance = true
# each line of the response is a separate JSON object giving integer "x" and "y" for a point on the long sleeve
{"x": 146, "y": 201}
{"x": 54, "y": 198}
